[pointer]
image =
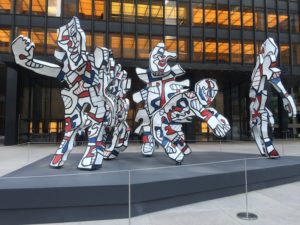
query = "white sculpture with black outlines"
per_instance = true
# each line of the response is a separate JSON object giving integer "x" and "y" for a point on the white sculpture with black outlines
{"x": 260, "y": 116}
{"x": 86, "y": 100}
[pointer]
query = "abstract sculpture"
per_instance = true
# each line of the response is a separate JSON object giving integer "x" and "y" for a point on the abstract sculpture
{"x": 161, "y": 86}
{"x": 168, "y": 104}
{"x": 260, "y": 116}
{"x": 94, "y": 83}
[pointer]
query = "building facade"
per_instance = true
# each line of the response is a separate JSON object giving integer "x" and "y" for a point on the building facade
{"x": 212, "y": 38}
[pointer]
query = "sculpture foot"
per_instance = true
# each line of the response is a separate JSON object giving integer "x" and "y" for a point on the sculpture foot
{"x": 273, "y": 154}
{"x": 109, "y": 155}
{"x": 178, "y": 163}
{"x": 147, "y": 149}
{"x": 91, "y": 161}
{"x": 57, "y": 161}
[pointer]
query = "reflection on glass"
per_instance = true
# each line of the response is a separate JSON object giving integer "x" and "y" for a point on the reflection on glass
{"x": 143, "y": 10}
{"x": 283, "y": 22}
{"x": 99, "y": 11}
{"x": 115, "y": 8}
{"x": 143, "y": 47}
{"x": 295, "y": 25}
{"x": 38, "y": 7}
{"x": 155, "y": 40}
{"x": 88, "y": 37}
{"x": 198, "y": 50}
{"x": 5, "y": 6}
{"x": 22, "y": 31}
{"x": 247, "y": 18}
{"x": 170, "y": 12}
{"x": 99, "y": 40}
{"x": 128, "y": 47}
{"x": 236, "y": 51}
{"x": 259, "y": 19}
{"x": 210, "y": 50}
{"x": 223, "y": 16}
{"x": 115, "y": 45}
{"x": 284, "y": 54}
{"x": 235, "y": 16}
{"x": 4, "y": 40}
{"x": 51, "y": 41}
{"x": 171, "y": 43}
{"x": 223, "y": 48}
{"x": 210, "y": 15}
{"x": 157, "y": 11}
{"x": 197, "y": 16}
{"x": 183, "y": 50}
{"x": 54, "y": 8}
{"x": 296, "y": 54}
{"x": 85, "y": 8}
{"x": 183, "y": 13}
{"x": 272, "y": 21}
{"x": 22, "y": 6}
{"x": 129, "y": 10}
{"x": 38, "y": 38}
{"x": 248, "y": 52}
{"x": 69, "y": 8}
{"x": 258, "y": 46}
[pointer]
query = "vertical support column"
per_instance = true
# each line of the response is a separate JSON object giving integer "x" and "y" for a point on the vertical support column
{"x": 11, "y": 119}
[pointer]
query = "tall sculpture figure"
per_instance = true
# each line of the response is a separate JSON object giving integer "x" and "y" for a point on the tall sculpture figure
{"x": 166, "y": 122}
{"x": 86, "y": 100}
{"x": 161, "y": 86}
{"x": 260, "y": 116}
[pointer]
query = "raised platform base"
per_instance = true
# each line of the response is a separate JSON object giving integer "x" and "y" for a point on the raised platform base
{"x": 39, "y": 194}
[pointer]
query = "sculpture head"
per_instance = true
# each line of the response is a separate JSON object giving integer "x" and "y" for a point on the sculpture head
{"x": 158, "y": 61}
{"x": 71, "y": 38}
{"x": 269, "y": 47}
{"x": 206, "y": 91}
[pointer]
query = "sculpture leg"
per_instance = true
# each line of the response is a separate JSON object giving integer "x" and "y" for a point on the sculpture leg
{"x": 269, "y": 147}
{"x": 148, "y": 142}
{"x": 256, "y": 133}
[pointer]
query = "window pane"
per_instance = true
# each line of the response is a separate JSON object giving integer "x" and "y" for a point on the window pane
{"x": 258, "y": 46}
{"x": 236, "y": 51}
{"x": 170, "y": 12}
{"x": 22, "y": 6}
{"x": 5, "y": 6}
{"x": 247, "y": 18}
{"x": 283, "y": 22}
{"x": 143, "y": 47}
{"x": 38, "y": 7}
{"x": 4, "y": 39}
{"x": 183, "y": 14}
{"x": 129, "y": 10}
{"x": 285, "y": 54}
{"x": 155, "y": 40}
{"x": 223, "y": 16}
{"x": 115, "y": 45}
{"x": 296, "y": 54}
{"x": 259, "y": 19}
{"x": 183, "y": 52}
{"x": 272, "y": 21}
{"x": 51, "y": 41}
{"x": 21, "y": 31}
{"x": 210, "y": 50}
{"x": 88, "y": 37}
{"x": 157, "y": 12}
{"x": 54, "y": 8}
{"x": 248, "y": 52}
{"x": 69, "y": 8}
{"x": 37, "y": 37}
{"x": 210, "y": 15}
{"x": 143, "y": 10}
{"x": 198, "y": 50}
{"x": 235, "y": 16}
{"x": 171, "y": 43}
{"x": 85, "y": 8}
{"x": 128, "y": 47}
{"x": 197, "y": 18}
{"x": 99, "y": 40}
{"x": 99, "y": 9}
{"x": 223, "y": 48}
{"x": 295, "y": 26}
{"x": 115, "y": 10}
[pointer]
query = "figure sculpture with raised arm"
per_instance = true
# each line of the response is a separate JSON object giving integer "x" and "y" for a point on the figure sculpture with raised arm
{"x": 161, "y": 86}
{"x": 87, "y": 100}
{"x": 261, "y": 117}
{"x": 166, "y": 122}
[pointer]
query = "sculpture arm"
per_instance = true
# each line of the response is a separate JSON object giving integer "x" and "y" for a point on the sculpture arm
{"x": 22, "y": 48}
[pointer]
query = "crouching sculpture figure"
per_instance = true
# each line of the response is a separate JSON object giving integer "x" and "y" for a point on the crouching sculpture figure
{"x": 166, "y": 122}
{"x": 260, "y": 116}
{"x": 87, "y": 99}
